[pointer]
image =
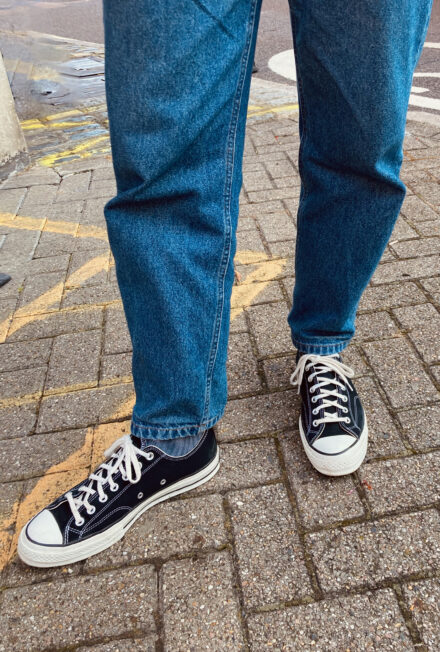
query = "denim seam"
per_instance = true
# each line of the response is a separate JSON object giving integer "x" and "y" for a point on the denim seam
{"x": 230, "y": 161}
{"x": 177, "y": 426}
{"x": 317, "y": 344}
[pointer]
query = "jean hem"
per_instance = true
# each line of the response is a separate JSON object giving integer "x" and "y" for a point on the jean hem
{"x": 320, "y": 348}
{"x": 149, "y": 431}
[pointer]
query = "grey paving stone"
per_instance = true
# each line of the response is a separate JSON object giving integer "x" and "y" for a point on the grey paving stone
{"x": 170, "y": 528}
{"x": 244, "y": 464}
{"x": 22, "y": 355}
{"x": 284, "y": 249}
{"x": 402, "y": 483}
{"x": 374, "y": 326}
{"x": 9, "y": 498}
{"x": 238, "y": 323}
{"x": 321, "y": 500}
{"x": 269, "y": 323}
{"x": 383, "y": 437}
{"x": 71, "y": 211}
{"x": 50, "y": 325}
{"x": 53, "y": 244}
{"x": 94, "y": 295}
{"x": 103, "y": 173}
{"x": 432, "y": 285}
{"x": 351, "y": 623}
{"x": 94, "y": 212}
{"x": 259, "y": 415}
{"x": 80, "y": 258}
{"x": 74, "y": 360}
{"x": 429, "y": 228}
{"x": 116, "y": 335}
{"x": 74, "y": 186}
{"x": 423, "y": 325}
{"x": 242, "y": 366}
{"x": 270, "y": 558}
{"x": 102, "y": 188}
{"x": 201, "y": 611}
{"x": 49, "y": 264}
{"x": 32, "y": 456}
{"x": 83, "y": 165}
{"x": 264, "y": 292}
{"x": 278, "y": 371}
{"x": 34, "y": 177}
{"x": 351, "y": 356}
{"x": 250, "y": 240}
{"x": 115, "y": 367}
{"x": 257, "y": 181}
{"x": 277, "y": 226}
{"x": 423, "y": 600}
{"x": 10, "y": 200}
{"x": 262, "y": 208}
{"x": 38, "y": 194}
{"x": 276, "y": 193}
{"x": 57, "y": 614}
{"x": 84, "y": 408}
{"x": 17, "y": 573}
{"x": 400, "y": 372}
{"x": 419, "y": 247}
{"x": 368, "y": 553}
{"x": 403, "y": 270}
{"x": 421, "y": 426}
{"x": 147, "y": 644}
{"x": 280, "y": 168}
{"x": 15, "y": 384}
{"x": 36, "y": 286}
{"x": 402, "y": 231}
{"x": 18, "y": 420}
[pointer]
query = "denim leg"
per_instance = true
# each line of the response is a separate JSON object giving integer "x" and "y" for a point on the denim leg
{"x": 355, "y": 63}
{"x": 177, "y": 83}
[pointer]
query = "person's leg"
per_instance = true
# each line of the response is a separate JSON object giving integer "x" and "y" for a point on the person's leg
{"x": 177, "y": 80}
{"x": 355, "y": 64}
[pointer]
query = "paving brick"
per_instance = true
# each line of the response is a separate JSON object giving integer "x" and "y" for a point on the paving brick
{"x": 74, "y": 186}
{"x": 259, "y": 414}
{"x": 83, "y": 165}
{"x": 400, "y": 372}
{"x": 383, "y": 437}
{"x": 421, "y": 426}
{"x": 321, "y": 500}
{"x": 91, "y": 295}
{"x": 34, "y": 177}
{"x": 430, "y": 228}
{"x": 248, "y": 293}
{"x": 53, "y": 244}
{"x": 33, "y": 456}
{"x": 432, "y": 285}
{"x": 352, "y": 623}
{"x": 272, "y": 332}
{"x": 277, "y": 226}
{"x": 18, "y": 420}
{"x": 423, "y": 600}
{"x": 423, "y": 325}
{"x": 170, "y": 528}
{"x": 281, "y": 168}
{"x": 257, "y": 181}
{"x": 374, "y": 326}
{"x": 278, "y": 371}
{"x": 33, "y": 298}
{"x": 242, "y": 367}
{"x": 238, "y": 322}
{"x": 390, "y": 296}
{"x": 368, "y": 553}
{"x": 262, "y": 208}
{"x": 22, "y": 355}
{"x": 201, "y": 610}
{"x": 419, "y": 247}
{"x": 276, "y": 193}
{"x": 250, "y": 240}
{"x": 270, "y": 558}
{"x": 402, "y": 231}
{"x": 71, "y": 211}
{"x": 38, "y": 195}
{"x": 10, "y": 200}
{"x": 14, "y": 384}
{"x": 80, "y": 258}
{"x": 115, "y": 367}
{"x": 83, "y": 408}
{"x": 284, "y": 249}
{"x": 78, "y": 612}
{"x": 116, "y": 335}
{"x": 402, "y": 270}
{"x": 104, "y": 188}
{"x": 74, "y": 361}
{"x": 402, "y": 483}
{"x": 144, "y": 644}
{"x": 94, "y": 212}
{"x": 50, "y": 325}
{"x": 244, "y": 464}
{"x": 49, "y": 264}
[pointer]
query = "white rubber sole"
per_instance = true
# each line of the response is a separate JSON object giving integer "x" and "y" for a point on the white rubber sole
{"x": 47, "y": 556}
{"x": 342, "y": 464}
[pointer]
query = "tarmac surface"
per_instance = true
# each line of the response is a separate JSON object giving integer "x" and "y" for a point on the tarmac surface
{"x": 269, "y": 555}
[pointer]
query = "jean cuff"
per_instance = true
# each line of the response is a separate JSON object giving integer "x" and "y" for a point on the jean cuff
{"x": 149, "y": 431}
{"x": 320, "y": 348}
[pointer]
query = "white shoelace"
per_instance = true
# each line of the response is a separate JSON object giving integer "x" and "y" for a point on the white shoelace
{"x": 330, "y": 397}
{"x": 123, "y": 454}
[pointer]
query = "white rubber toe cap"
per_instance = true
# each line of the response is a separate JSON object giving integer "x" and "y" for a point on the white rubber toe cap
{"x": 44, "y": 529}
{"x": 334, "y": 444}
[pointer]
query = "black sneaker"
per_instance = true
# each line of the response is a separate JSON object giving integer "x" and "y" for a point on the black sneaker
{"x": 98, "y": 512}
{"x": 332, "y": 424}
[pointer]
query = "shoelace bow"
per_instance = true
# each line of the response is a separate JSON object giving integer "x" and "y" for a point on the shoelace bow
{"x": 330, "y": 396}
{"x": 123, "y": 455}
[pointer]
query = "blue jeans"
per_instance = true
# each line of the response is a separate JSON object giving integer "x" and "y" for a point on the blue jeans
{"x": 177, "y": 80}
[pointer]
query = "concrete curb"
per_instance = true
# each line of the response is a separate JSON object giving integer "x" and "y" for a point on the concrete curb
{"x": 13, "y": 150}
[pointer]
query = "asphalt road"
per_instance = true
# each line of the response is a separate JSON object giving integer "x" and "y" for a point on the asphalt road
{"x": 82, "y": 19}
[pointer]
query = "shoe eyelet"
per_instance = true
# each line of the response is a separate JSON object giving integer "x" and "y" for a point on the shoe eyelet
{"x": 314, "y": 399}
{"x": 312, "y": 390}
{"x": 347, "y": 420}
{"x": 150, "y": 456}
{"x": 345, "y": 399}
{"x": 140, "y": 495}
{"x": 163, "y": 481}
{"x": 315, "y": 423}
{"x": 103, "y": 499}
{"x": 314, "y": 411}
{"x": 92, "y": 510}
{"x": 309, "y": 379}
{"x": 114, "y": 487}
{"x": 80, "y": 522}
{"x": 124, "y": 477}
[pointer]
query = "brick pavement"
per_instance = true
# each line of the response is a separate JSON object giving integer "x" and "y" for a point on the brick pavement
{"x": 268, "y": 555}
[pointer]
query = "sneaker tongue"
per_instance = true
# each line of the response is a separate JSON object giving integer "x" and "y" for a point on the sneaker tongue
{"x": 137, "y": 441}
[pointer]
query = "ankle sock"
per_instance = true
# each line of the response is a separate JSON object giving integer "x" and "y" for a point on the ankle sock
{"x": 174, "y": 447}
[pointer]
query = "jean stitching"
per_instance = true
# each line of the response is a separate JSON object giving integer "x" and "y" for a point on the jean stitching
{"x": 177, "y": 428}
{"x": 230, "y": 161}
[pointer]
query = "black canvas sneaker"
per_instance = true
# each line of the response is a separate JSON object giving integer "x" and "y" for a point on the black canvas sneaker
{"x": 332, "y": 425}
{"x": 98, "y": 512}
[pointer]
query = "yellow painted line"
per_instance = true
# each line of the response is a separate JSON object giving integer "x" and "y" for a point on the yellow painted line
{"x": 275, "y": 109}
{"x": 62, "y": 114}
{"x": 27, "y": 125}
{"x": 84, "y": 150}
{"x": 74, "y": 229}
{"x": 64, "y": 125}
